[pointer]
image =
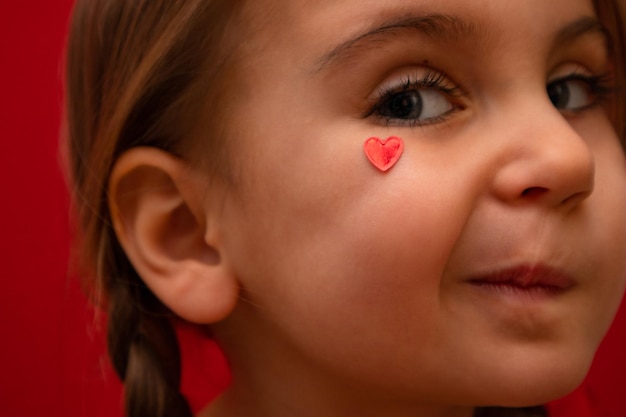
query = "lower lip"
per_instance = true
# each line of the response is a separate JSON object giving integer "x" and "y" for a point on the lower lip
{"x": 530, "y": 292}
{"x": 532, "y": 283}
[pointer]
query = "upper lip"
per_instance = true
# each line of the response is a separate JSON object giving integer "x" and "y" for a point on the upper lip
{"x": 526, "y": 276}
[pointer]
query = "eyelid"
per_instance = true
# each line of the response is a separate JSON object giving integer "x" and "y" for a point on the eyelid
{"x": 421, "y": 78}
{"x": 602, "y": 81}
{"x": 601, "y": 86}
{"x": 426, "y": 76}
{"x": 567, "y": 71}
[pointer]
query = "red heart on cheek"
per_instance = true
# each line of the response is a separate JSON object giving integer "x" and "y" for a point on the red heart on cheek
{"x": 384, "y": 153}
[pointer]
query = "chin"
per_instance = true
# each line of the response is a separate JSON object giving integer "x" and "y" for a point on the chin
{"x": 540, "y": 394}
{"x": 536, "y": 382}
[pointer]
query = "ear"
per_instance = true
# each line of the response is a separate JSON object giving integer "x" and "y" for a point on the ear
{"x": 167, "y": 224}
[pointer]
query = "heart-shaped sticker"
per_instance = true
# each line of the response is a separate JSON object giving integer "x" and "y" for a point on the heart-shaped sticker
{"x": 384, "y": 153}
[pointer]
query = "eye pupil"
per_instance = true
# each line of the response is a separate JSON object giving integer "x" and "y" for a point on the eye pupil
{"x": 404, "y": 105}
{"x": 559, "y": 94}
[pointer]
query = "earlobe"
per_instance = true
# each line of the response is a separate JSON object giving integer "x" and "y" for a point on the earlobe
{"x": 170, "y": 236}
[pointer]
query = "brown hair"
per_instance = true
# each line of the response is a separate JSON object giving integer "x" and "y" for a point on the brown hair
{"x": 612, "y": 14}
{"x": 139, "y": 72}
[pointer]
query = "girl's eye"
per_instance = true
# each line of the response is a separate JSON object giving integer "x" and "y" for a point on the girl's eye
{"x": 577, "y": 92}
{"x": 569, "y": 94}
{"x": 419, "y": 105}
{"x": 416, "y": 101}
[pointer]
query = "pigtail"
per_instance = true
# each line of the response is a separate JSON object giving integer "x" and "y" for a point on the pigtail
{"x": 139, "y": 73}
{"x": 145, "y": 354}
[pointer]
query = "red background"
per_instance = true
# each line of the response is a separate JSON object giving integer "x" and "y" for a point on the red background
{"x": 52, "y": 359}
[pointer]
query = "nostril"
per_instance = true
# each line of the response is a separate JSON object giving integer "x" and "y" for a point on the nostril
{"x": 577, "y": 198}
{"x": 536, "y": 193}
{"x": 533, "y": 192}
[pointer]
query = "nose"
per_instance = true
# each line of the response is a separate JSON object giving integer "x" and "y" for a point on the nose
{"x": 546, "y": 161}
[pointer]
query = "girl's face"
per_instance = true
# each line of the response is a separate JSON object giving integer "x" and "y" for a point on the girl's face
{"x": 486, "y": 265}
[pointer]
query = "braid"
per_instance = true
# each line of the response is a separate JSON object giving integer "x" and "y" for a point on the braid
{"x": 144, "y": 352}
{"x": 139, "y": 73}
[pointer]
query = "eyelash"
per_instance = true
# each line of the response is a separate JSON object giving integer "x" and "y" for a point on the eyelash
{"x": 430, "y": 80}
{"x": 600, "y": 88}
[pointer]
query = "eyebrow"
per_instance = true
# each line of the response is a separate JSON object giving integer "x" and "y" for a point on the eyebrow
{"x": 442, "y": 27}
{"x": 579, "y": 28}
{"x": 437, "y": 26}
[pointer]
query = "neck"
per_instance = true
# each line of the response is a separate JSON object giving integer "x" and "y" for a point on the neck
{"x": 245, "y": 401}
{"x": 272, "y": 378}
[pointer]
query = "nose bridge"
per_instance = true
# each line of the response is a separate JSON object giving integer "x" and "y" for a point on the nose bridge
{"x": 545, "y": 159}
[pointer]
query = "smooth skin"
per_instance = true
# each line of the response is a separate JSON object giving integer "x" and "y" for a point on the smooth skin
{"x": 344, "y": 291}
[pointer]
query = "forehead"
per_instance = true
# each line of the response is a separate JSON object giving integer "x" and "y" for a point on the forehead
{"x": 321, "y": 23}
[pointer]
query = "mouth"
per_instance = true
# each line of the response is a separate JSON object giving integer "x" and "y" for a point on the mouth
{"x": 536, "y": 281}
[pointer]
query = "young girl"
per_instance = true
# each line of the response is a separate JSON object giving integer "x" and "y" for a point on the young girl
{"x": 376, "y": 208}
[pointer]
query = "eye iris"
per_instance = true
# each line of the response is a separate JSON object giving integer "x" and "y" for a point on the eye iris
{"x": 559, "y": 94}
{"x": 404, "y": 105}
